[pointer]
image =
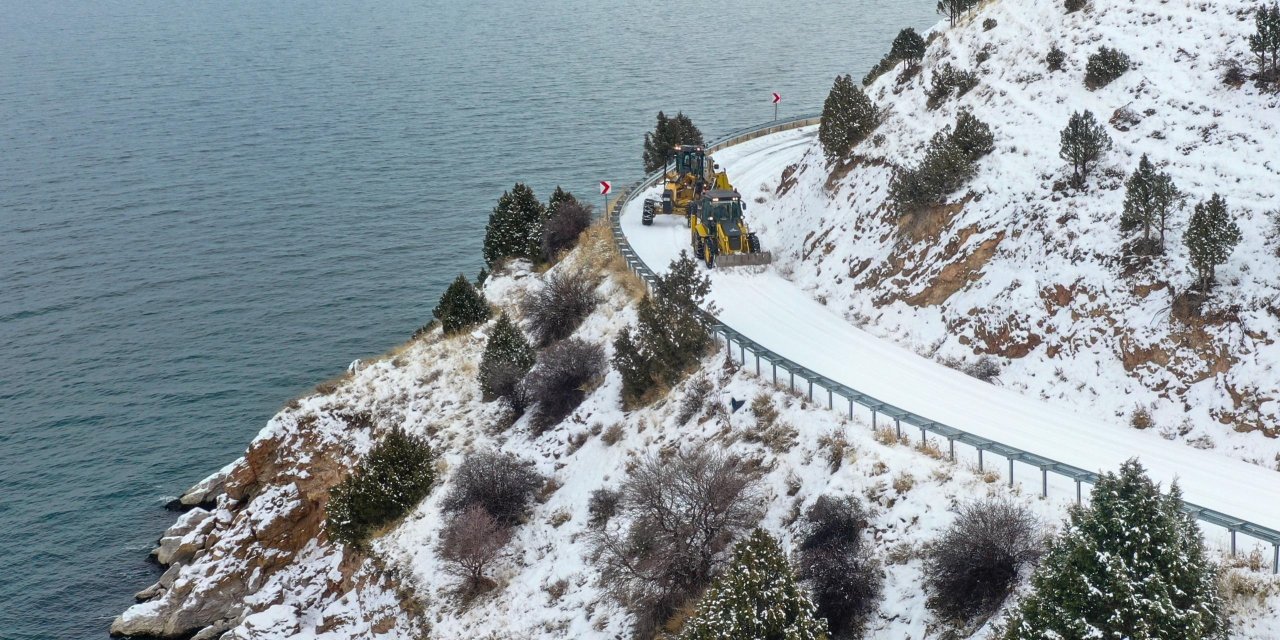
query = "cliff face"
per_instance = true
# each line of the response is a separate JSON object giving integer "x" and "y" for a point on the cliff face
{"x": 1019, "y": 266}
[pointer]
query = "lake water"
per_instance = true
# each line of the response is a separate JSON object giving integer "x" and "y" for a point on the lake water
{"x": 206, "y": 208}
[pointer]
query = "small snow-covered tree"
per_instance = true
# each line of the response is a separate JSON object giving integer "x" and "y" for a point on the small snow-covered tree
{"x": 461, "y": 306}
{"x": 1130, "y": 565}
{"x": 668, "y": 133}
{"x": 557, "y": 197}
{"x": 908, "y": 47}
{"x": 1211, "y": 236}
{"x": 756, "y": 598}
{"x": 848, "y": 117}
{"x": 389, "y": 480}
{"x": 1149, "y": 198}
{"x": 1055, "y": 58}
{"x": 515, "y": 226}
{"x": 1083, "y": 143}
{"x": 669, "y": 336}
{"x": 1104, "y": 66}
{"x": 972, "y": 135}
{"x": 507, "y": 358}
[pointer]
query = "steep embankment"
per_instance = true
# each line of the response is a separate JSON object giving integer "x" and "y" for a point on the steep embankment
{"x": 1023, "y": 268}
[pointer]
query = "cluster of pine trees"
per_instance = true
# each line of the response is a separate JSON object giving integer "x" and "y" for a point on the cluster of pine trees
{"x": 1265, "y": 43}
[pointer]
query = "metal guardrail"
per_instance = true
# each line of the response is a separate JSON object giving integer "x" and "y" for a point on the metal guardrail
{"x": 877, "y": 407}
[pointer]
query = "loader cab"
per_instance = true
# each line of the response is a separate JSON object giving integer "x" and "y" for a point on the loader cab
{"x": 722, "y": 208}
{"x": 689, "y": 159}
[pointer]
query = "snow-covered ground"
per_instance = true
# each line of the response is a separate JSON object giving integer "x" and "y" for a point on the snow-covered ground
{"x": 775, "y": 312}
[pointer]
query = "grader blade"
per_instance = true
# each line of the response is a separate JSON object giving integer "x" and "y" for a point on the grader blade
{"x": 744, "y": 259}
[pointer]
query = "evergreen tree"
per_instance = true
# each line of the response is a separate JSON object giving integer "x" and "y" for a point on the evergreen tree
{"x": 848, "y": 117}
{"x": 1083, "y": 143}
{"x": 461, "y": 306}
{"x": 390, "y": 480}
{"x": 908, "y": 47}
{"x": 669, "y": 336}
{"x": 515, "y": 226}
{"x": 1265, "y": 43}
{"x": 668, "y": 133}
{"x": 953, "y": 9}
{"x": 1104, "y": 66}
{"x": 1055, "y": 58}
{"x": 1130, "y": 565}
{"x": 558, "y": 196}
{"x": 507, "y": 358}
{"x": 972, "y": 135}
{"x": 1211, "y": 236}
{"x": 1150, "y": 196}
{"x": 757, "y": 598}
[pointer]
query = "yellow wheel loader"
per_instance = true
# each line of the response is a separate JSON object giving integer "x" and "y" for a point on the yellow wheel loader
{"x": 689, "y": 174}
{"x": 719, "y": 234}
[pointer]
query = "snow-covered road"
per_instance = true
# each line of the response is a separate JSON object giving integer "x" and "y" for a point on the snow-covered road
{"x": 776, "y": 313}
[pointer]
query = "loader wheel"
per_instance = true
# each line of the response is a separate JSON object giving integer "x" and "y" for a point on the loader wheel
{"x": 753, "y": 243}
{"x": 710, "y": 248}
{"x": 647, "y": 217}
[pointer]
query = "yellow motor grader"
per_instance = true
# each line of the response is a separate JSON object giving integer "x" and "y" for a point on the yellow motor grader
{"x": 688, "y": 175}
{"x": 719, "y": 234}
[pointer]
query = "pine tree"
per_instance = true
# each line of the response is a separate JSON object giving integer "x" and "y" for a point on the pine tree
{"x": 1265, "y": 43}
{"x": 669, "y": 336}
{"x": 848, "y": 117}
{"x": 461, "y": 306}
{"x": 953, "y": 9}
{"x": 558, "y": 196}
{"x": 1211, "y": 236}
{"x": 507, "y": 358}
{"x": 1083, "y": 143}
{"x": 515, "y": 226}
{"x": 390, "y": 480}
{"x": 972, "y": 135}
{"x": 1130, "y": 565}
{"x": 1150, "y": 196}
{"x": 1104, "y": 66}
{"x": 908, "y": 47}
{"x": 668, "y": 133}
{"x": 757, "y": 598}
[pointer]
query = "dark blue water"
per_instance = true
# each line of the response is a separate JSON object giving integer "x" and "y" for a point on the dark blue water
{"x": 206, "y": 208}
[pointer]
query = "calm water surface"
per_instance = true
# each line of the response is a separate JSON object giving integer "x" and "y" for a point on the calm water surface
{"x": 206, "y": 208}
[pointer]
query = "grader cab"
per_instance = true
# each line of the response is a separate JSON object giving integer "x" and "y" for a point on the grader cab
{"x": 719, "y": 234}
{"x": 688, "y": 174}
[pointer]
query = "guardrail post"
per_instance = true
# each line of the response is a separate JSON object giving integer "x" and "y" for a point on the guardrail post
{"x": 850, "y": 408}
{"x": 830, "y": 400}
{"x": 810, "y": 391}
{"x": 951, "y": 448}
{"x": 874, "y": 426}
{"x": 742, "y": 351}
{"x": 1077, "y": 492}
{"x": 1044, "y": 482}
{"x": 791, "y": 386}
{"x": 775, "y": 373}
{"x": 757, "y": 365}
{"x": 897, "y": 424}
{"x": 980, "y": 450}
{"x": 1233, "y": 542}
{"x": 1011, "y": 472}
{"x": 1275, "y": 560}
{"x": 924, "y": 437}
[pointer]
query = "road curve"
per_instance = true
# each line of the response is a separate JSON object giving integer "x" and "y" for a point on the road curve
{"x": 774, "y": 312}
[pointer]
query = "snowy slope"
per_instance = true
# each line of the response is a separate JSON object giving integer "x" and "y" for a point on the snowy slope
{"x": 1031, "y": 273}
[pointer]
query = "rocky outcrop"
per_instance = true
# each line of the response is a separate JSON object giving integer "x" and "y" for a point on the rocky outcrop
{"x": 257, "y": 549}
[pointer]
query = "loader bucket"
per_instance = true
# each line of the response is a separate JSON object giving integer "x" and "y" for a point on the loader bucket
{"x": 744, "y": 259}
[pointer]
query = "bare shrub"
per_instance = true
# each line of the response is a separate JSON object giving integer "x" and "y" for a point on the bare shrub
{"x": 602, "y": 506}
{"x": 845, "y": 579}
{"x": 470, "y": 542}
{"x": 613, "y": 434}
{"x": 560, "y": 382}
{"x": 502, "y": 483}
{"x": 695, "y": 399}
{"x": 1141, "y": 418}
{"x": 563, "y": 226}
{"x": 985, "y": 369}
{"x": 677, "y": 515}
{"x": 1073, "y": 6}
{"x": 971, "y": 569}
{"x": 555, "y": 311}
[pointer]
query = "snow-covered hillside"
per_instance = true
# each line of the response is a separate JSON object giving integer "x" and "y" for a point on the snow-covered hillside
{"x": 259, "y": 565}
{"x": 1021, "y": 267}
